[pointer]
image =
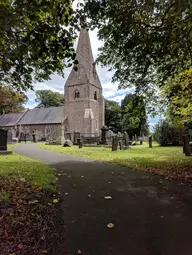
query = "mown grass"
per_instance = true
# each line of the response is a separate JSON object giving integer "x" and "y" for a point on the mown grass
{"x": 168, "y": 161}
{"x": 16, "y": 166}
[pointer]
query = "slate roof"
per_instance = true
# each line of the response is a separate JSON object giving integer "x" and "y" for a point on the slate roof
{"x": 10, "y": 119}
{"x": 50, "y": 115}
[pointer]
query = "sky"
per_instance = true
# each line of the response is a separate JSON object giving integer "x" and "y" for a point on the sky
{"x": 110, "y": 90}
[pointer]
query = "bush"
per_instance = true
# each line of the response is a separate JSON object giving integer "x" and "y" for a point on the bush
{"x": 165, "y": 134}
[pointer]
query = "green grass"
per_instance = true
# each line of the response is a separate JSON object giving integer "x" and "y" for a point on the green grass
{"x": 16, "y": 166}
{"x": 168, "y": 161}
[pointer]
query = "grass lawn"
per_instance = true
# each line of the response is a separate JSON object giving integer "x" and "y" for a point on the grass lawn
{"x": 167, "y": 161}
{"x": 19, "y": 167}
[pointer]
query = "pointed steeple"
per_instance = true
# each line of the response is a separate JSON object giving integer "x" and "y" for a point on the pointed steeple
{"x": 86, "y": 72}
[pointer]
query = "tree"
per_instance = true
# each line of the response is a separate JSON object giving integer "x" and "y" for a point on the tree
{"x": 11, "y": 100}
{"x": 36, "y": 40}
{"x": 48, "y": 98}
{"x": 113, "y": 115}
{"x": 145, "y": 42}
{"x": 178, "y": 92}
{"x": 134, "y": 118}
{"x": 165, "y": 133}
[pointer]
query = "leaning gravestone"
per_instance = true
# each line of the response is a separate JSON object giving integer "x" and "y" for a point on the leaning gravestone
{"x": 115, "y": 143}
{"x": 3, "y": 142}
{"x": 68, "y": 143}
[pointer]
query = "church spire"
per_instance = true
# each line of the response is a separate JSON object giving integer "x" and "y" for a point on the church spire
{"x": 86, "y": 72}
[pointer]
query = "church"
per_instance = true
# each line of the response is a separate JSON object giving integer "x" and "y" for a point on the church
{"x": 84, "y": 103}
{"x": 83, "y": 112}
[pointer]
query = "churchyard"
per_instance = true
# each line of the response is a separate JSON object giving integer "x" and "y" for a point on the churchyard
{"x": 168, "y": 161}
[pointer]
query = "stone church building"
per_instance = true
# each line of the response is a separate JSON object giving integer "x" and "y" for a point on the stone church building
{"x": 83, "y": 112}
{"x": 84, "y": 103}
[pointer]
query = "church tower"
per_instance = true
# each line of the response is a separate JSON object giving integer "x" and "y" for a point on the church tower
{"x": 84, "y": 103}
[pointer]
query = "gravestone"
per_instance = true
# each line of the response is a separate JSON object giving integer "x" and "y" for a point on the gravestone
{"x": 9, "y": 136}
{"x": 150, "y": 141}
{"x": 80, "y": 143}
{"x": 3, "y": 142}
{"x": 77, "y": 136}
{"x": 104, "y": 131}
{"x": 121, "y": 145}
{"x": 126, "y": 137}
{"x": 115, "y": 143}
{"x": 186, "y": 147}
{"x": 68, "y": 143}
{"x": 60, "y": 136}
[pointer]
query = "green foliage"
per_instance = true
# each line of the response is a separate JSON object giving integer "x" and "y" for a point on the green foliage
{"x": 178, "y": 92}
{"x": 113, "y": 115}
{"x": 134, "y": 118}
{"x": 36, "y": 40}
{"x": 145, "y": 42}
{"x": 48, "y": 98}
{"x": 11, "y": 100}
{"x": 166, "y": 134}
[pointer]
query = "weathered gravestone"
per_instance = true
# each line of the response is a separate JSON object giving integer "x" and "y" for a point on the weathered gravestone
{"x": 115, "y": 143}
{"x": 3, "y": 142}
{"x": 68, "y": 143}
{"x": 150, "y": 141}
{"x": 76, "y": 136}
{"x": 104, "y": 131}
{"x": 126, "y": 138}
{"x": 80, "y": 143}
{"x": 121, "y": 145}
{"x": 9, "y": 136}
{"x": 186, "y": 145}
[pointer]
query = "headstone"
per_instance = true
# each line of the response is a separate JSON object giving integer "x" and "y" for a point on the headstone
{"x": 34, "y": 136}
{"x": 60, "y": 136}
{"x": 68, "y": 143}
{"x": 150, "y": 141}
{"x": 9, "y": 136}
{"x": 3, "y": 142}
{"x": 115, "y": 143}
{"x": 187, "y": 147}
{"x": 141, "y": 140}
{"x": 104, "y": 131}
{"x": 77, "y": 136}
{"x": 126, "y": 137}
{"x": 121, "y": 145}
{"x": 80, "y": 143}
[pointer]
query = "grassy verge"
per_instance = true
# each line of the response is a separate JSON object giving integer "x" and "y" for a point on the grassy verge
{"x": 19, "y": 167}
{"x": 167, "y": 161}
{"x": 27, "y": 207}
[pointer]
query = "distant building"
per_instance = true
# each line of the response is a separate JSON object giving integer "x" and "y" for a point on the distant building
{"x": 46, "y": 123}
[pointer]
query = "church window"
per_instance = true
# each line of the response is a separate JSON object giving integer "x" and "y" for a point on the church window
{"x": 95, "y": 95}
{"x": 77, "y": 94}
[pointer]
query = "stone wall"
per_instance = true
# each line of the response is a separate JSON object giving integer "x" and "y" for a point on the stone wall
{"x": 43, "y": 131}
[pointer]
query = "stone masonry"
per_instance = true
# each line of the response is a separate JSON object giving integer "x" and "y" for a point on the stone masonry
{"x": 84, "y": 103}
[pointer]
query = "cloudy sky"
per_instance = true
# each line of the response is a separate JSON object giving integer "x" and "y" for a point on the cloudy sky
{"x": 110, "y": 90}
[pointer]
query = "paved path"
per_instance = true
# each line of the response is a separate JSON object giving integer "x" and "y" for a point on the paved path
{"x": 152, "y": 216}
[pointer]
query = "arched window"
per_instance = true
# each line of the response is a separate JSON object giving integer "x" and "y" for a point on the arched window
{"x": 77, "y": 94}
{"x": 95, "y": 95}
